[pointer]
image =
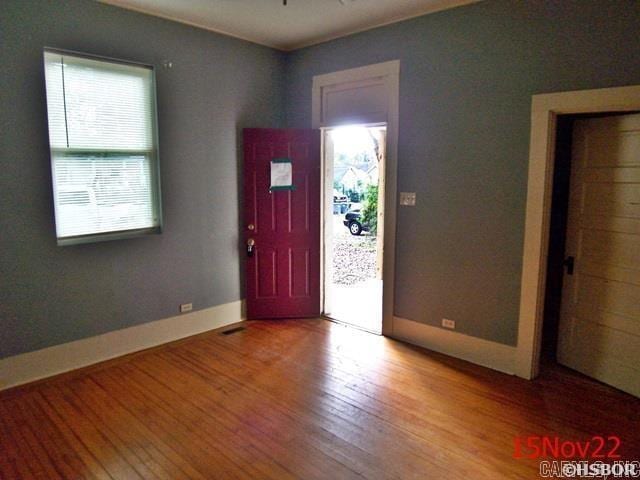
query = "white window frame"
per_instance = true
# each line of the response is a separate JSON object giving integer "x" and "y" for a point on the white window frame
{"x": 153, "y": 154}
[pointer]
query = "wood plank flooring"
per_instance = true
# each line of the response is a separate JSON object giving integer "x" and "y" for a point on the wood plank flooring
{"x": 303, "y": 399}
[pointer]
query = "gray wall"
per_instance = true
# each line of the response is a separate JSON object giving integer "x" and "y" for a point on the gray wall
{"x": 467, "y": 76}
{"x": 466, "y": 82}
{"x": 50, "y": 294}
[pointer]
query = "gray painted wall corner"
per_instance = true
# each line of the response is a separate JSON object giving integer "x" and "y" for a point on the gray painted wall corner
{"x": 466, "y": 81}
{"x": 218, "y": 85}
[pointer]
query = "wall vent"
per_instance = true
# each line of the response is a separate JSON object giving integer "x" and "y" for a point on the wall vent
{"x": 231, "y": 331}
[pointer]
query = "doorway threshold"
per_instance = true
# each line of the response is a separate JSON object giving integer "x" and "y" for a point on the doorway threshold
{"x": 350, "y": 325}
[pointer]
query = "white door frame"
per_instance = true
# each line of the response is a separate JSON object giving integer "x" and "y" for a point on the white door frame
{"x": 544, "y": 111}
{"x": 390, "y": 72}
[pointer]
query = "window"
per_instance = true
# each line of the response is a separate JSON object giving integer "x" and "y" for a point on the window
{"x": 104, "y": 149}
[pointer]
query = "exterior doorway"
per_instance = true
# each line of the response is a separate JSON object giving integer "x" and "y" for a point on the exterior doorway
{"x": 365, "y": 96}
{"x": 353, "y": 238}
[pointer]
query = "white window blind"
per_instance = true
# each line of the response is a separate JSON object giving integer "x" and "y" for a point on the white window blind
{"x": 102, "y": 135}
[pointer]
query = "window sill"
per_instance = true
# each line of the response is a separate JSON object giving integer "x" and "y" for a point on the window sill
{"x": 105, "y": 237}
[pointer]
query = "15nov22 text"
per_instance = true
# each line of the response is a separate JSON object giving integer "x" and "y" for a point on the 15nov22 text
{"x": 546, "y": 446}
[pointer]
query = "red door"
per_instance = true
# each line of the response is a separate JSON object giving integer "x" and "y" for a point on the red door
{"x": 283, "y": 265}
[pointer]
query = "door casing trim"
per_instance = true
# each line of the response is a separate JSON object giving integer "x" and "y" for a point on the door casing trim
{"x": 545, "y": 109}
{"x": 391, "y": 72}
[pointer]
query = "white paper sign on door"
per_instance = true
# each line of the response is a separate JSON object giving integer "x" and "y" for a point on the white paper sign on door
{"x": 281, "y": 174}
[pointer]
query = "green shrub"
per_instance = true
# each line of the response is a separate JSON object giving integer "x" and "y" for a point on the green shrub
{"x": 370, "y": 209}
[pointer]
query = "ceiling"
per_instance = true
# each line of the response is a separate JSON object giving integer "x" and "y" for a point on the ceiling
{"x": 298, "y": 24}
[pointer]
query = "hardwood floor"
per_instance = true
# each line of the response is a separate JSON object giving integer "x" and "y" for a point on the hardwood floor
{"x": 298, "y": 399}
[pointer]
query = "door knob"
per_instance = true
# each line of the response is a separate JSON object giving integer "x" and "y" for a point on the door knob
{"x": 250, "y": 244}
{"x": 251, "y": 227}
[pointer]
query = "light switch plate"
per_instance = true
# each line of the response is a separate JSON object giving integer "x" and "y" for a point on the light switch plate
{"x": 408, "y": 199}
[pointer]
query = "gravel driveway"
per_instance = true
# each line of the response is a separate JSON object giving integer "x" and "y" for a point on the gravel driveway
{"x": 354, "y": 257}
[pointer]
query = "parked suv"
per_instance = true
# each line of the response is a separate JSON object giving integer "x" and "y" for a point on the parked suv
{"x": 353, "y": 221}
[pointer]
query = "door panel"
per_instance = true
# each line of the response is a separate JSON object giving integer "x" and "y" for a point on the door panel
{"x": 611, "y": 247}
{"x": 283, "y": 273}
{"x": 600, "y": 316}
{"x": 610, "y": 296}
{"x": 612, "y": 199}
{"x": 265, "y": 259}
{"x": 300, "y": 274}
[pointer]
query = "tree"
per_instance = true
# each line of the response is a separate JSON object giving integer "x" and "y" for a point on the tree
{"x": 370, "y": 210}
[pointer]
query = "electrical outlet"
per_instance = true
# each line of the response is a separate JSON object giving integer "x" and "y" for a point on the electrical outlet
{"x": 446, "y": 323}
{"x": 186, "y": 307}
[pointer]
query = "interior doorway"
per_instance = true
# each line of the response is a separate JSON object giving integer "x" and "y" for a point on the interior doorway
{"x": 545, "y": 110}
{"x": 353, "y": 234}
{"x": 591, "y": 315}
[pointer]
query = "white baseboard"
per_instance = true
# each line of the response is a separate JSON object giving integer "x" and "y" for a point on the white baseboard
{"x": 30, "y": 366}
{"x": 496, "y": 356}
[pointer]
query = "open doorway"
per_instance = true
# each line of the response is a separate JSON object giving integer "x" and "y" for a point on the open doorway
{"x": 353, "y": 200}
{"x": 591, "y": 313}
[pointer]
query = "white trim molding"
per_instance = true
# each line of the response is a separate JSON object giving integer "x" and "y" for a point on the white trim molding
{"x": 389, "y": 74}
{"x": 544, "y": 111}
{"x": 496, "y": 356}
{"x": 31, "y": 366}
